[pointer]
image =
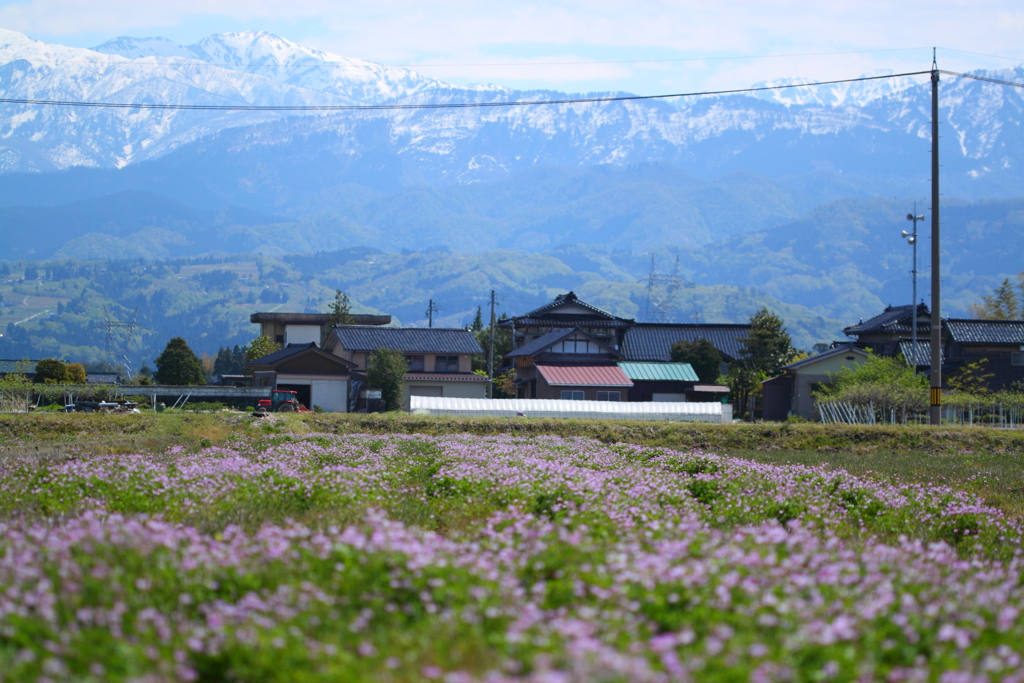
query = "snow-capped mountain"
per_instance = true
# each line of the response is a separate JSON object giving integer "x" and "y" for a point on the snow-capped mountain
{"x": 263, "y": 54}
{"x": 878, "y": 128}
{"x": 855, "y": 94}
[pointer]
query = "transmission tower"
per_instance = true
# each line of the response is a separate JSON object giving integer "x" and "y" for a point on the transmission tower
{"x": 119, "y": 353}
{"x": 662, "y": 291}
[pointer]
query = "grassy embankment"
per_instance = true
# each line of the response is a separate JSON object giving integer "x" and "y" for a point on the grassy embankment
{"x": 984, "y": 461}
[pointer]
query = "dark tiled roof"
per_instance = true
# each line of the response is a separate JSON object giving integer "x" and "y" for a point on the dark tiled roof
{"x": 281, "y": 354}
{"x": 540, "y": 343}
{"x": 892, "y": 318}
{"x": 23, "y": 365}
{"x": 986, "y": 331}
{"x": 653, "y": 341}
{"x": 571, "y": 298}
{"x": 446, "y": 376}
{"x": 296, "y": 350}
{"x": 917, "y": 356}
{"x": 563, "y": 321}
{"x": 407, "y": 339}
{"x": 102, "y": 377}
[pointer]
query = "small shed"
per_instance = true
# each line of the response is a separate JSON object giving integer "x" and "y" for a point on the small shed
{"x": 791, "y": 392}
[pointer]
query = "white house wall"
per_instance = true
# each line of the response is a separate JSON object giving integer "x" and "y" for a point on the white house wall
{"x": 302, "y": 334}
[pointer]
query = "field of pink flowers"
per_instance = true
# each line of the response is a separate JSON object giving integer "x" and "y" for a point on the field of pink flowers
{"x": 405, "y": 558}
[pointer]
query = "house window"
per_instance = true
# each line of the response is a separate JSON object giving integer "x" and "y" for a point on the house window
{"x": 446, "y": 364}
{"x": 882, "y": 348}
{"x": 1017, "y": 358}
{"x": 608, "y": 396}
{"x": 572, "y": 395}
{"x": 415, "y": 363}
{"x": 279, "y": 339}
{"x": 576, "y": 346}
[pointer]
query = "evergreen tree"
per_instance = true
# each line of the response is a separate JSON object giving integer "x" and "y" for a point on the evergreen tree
{"x": 178, "y": 365}
{"x": 701, "y": 355}
{"x": 385, "y": 370}
{"x": 341, "y": 310}
{"x": 767, "y": 348}
{"x": 478, "y": 321}
{"x": 1005, "y": 303}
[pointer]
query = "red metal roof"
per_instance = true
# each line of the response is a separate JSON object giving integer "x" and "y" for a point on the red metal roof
{"x": 584, "y": 375}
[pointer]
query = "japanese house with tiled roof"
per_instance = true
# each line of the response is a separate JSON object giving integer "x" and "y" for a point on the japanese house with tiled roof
{"x": 439, "y": 359}
{"x": 1000, "y": 343}
{"x": 536, "y": 336}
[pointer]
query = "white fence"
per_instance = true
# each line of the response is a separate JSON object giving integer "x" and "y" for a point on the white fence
{"x": 536, "y": 407}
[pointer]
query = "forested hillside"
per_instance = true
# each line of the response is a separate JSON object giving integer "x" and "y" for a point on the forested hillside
{"x": 60, "y": 307}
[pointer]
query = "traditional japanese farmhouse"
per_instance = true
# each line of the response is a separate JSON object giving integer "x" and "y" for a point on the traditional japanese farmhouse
{"x": 623, "y": 360}
{"x": 439, "y": 359}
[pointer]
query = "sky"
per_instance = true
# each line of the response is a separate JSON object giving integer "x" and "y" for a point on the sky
{"x": 645, "y": 47}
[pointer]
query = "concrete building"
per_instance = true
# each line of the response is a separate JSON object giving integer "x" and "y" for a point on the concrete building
{"x": 303, "y": 328}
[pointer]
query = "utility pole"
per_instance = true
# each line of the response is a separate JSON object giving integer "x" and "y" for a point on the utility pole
{"x": 912, "y": 238}
{"x": 490, "y": 353}
{"x": 432, "y": 308}
{"x": 935, "y": 408}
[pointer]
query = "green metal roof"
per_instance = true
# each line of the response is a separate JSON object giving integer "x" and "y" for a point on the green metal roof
{"x": 672, "y": 372}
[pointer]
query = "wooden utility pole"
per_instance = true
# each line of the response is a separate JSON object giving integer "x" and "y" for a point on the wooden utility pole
{"x": 490, "y": 353}
{"x": 935, "y": 409}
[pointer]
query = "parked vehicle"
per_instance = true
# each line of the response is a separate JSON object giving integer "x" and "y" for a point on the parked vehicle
{"x": 281, "y": 401}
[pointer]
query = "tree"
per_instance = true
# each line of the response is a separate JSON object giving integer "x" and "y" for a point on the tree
{"x": 765, "y": 350}
{"x": 341, "y": 310}
{"x": 884, "y": 382}
{"x": 701, "y": 355}
{"x": 1005, "y": 303}
{"x": 385, "y": 370}
{"x": 260, "y": 346}
{"x": 178, "y": 365}
{"x": 51, "y": 371}
{"x": 970, "y": 378}
{"x": 76, "y": 373}
{"x": 502, "y": 345}
{"x": 478, "y": 321}
{"x": 769, "y": 346}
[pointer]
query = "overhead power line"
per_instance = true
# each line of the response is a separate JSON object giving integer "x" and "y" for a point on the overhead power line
{"x": 440, "y": 105}
{"x": 1000, "y": 81}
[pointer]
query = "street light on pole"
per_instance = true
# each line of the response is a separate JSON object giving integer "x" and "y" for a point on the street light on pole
{"x": 911, "y": 237}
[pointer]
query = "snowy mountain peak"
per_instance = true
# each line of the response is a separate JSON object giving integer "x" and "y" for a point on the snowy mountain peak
{"x": 270, "y": 56}
{"x": 137, "y": 48}
{"x": 855, "y": 94}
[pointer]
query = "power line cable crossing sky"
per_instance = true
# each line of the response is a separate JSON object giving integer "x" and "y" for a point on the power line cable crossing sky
{"x": 477, "y": 105}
